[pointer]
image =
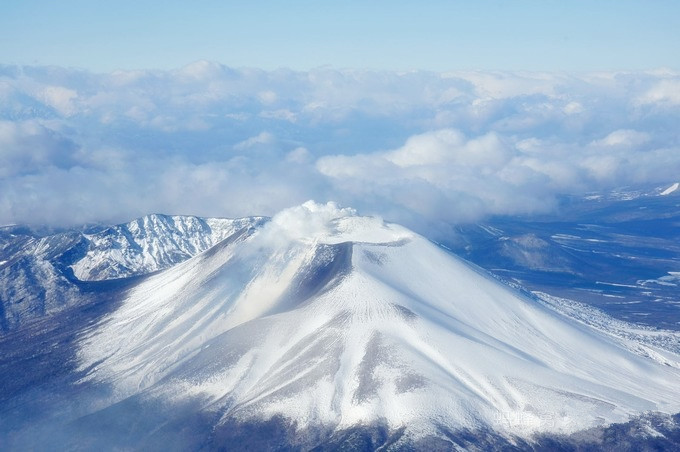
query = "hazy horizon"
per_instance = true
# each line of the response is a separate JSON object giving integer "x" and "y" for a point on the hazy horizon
{"x": 303, "y": 34}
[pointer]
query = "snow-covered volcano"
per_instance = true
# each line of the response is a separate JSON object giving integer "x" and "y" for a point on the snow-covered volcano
{"x": 329, "y": 320}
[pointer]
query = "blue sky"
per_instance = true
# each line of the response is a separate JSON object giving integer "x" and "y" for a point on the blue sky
{"x": 532, "y": 35}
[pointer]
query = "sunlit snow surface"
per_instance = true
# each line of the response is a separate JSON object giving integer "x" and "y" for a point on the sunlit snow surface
{"x": 150, "y": 243}
{"x": 670, "y": 189}
{"x": 331, "y": 319}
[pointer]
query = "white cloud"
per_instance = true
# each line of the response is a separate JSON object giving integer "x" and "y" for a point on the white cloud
{"x": 282, "y": 114}
{"x": 267, "y": 97}
{"x": 61, "y": 99}
{"x": 573, "y": 108}
{"x": 310, "y": 219}
{"x": 664, "y": 92}
{"x": 30, "y": 147}
{"x": 503, "y": 85}
{"x": 299, "y": 155}
{"x": 200, "y": 70}
{"x": 446, "y": 176}
{"x": 418, "y": 147}
{"x": 260, "y": 138}
{"x": 441, "y": 174}
{"x": 623, "y": 137}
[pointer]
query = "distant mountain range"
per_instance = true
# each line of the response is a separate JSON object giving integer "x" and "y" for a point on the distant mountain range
{"x": 42, "y": 274}
{"x": 319, "y": 328}
{"x": 619, "y": 252}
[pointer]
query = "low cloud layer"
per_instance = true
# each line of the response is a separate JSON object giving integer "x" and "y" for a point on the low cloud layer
{"x": 421, "y": 148}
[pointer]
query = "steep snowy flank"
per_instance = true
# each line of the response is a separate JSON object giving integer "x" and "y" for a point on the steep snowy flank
{"x": 331, "y": 320}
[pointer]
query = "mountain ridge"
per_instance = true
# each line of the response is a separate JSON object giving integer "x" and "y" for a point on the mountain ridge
{"x": 44, "y": 274}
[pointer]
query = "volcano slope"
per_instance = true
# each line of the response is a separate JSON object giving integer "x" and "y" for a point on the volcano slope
{"x": 324, "y": 329}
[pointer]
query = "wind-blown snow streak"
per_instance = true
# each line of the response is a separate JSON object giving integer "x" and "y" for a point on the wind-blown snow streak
{"x": 334, "y": 320}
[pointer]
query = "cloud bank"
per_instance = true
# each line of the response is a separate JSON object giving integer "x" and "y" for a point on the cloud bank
{"x": 421, "y": 148}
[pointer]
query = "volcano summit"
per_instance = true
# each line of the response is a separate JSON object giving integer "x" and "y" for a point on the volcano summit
{"x": 322, "y": 328}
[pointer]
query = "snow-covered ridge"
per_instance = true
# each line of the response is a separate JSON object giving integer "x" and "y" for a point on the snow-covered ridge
{"x": 330, "y": 319}
{"x": 37, "y": 268}
{"x": 151, "y": 243}
{"x": 670, "y": 189}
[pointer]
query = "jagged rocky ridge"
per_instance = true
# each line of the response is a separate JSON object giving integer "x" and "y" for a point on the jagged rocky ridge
{"x": 44, "y": 273}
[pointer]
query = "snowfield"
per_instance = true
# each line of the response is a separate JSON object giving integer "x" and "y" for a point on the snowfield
{"x": 333, "y": 320}
{"x": 670, "y": 189}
